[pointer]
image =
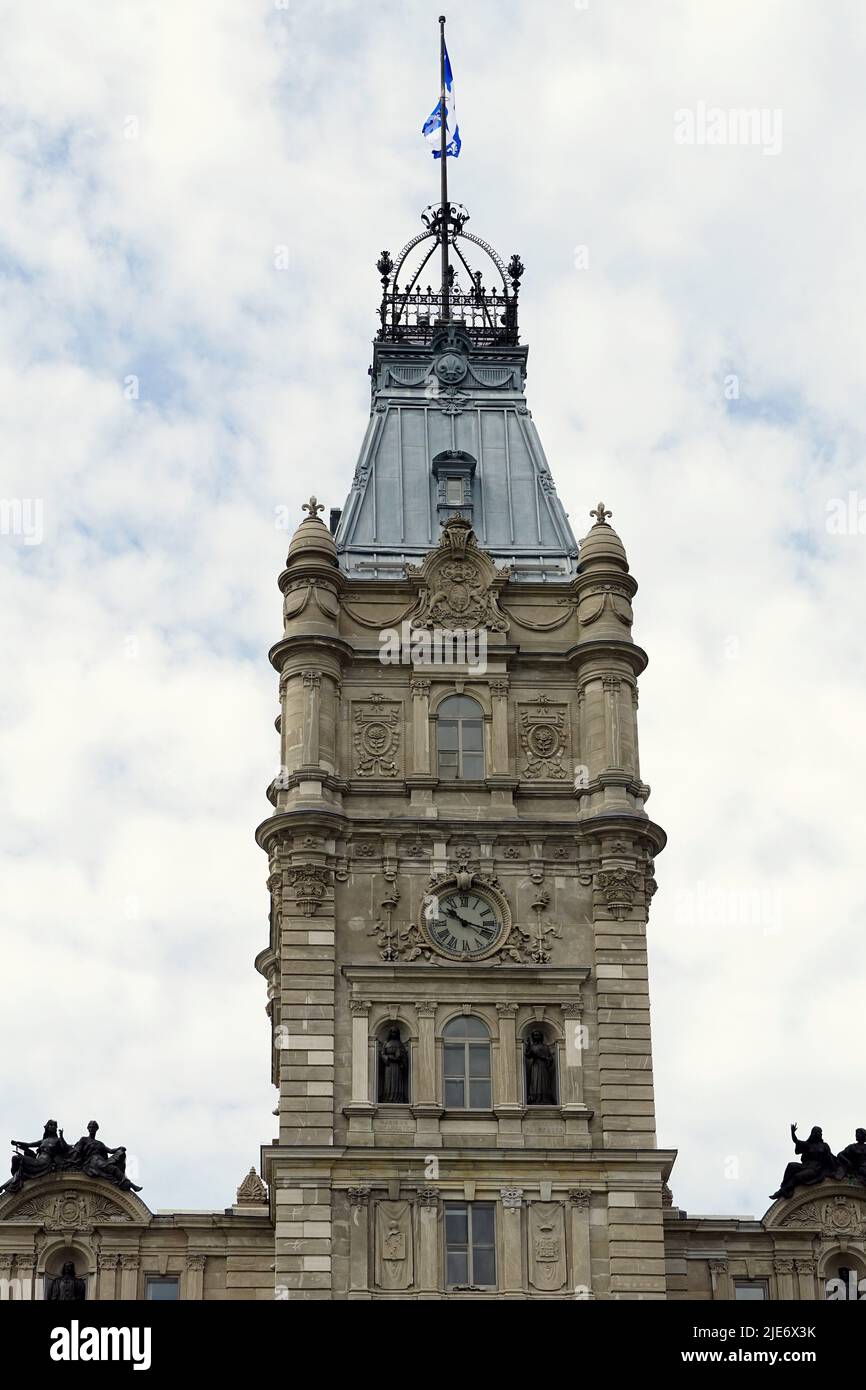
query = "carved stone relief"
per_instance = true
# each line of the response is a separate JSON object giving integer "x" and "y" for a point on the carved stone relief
{"x": 376, "y": 736}
{"x": 546, "y": 1246}
{"x": 394, "y": 1256}
{"x": 544, "y": 738}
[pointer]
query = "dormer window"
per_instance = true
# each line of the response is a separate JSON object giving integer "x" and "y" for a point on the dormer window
{"x": 454, "y": 492}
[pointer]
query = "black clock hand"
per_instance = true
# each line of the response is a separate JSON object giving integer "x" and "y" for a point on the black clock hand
{"x": 462, "y": 920}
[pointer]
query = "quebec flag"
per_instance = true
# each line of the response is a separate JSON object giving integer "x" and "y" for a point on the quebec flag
{"x": 433, "y": 125}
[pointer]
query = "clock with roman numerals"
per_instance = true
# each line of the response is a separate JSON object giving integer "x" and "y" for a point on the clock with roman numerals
{"x": 466, "y": 923}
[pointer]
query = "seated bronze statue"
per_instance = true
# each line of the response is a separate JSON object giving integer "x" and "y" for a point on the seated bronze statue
{"x": 852, "y": 1159}
{"x": 36, "y": 1157}
{"x": 817, "y": 1163}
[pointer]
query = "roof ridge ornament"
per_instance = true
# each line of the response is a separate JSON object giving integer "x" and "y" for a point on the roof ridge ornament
{"x": 411, "y": 312}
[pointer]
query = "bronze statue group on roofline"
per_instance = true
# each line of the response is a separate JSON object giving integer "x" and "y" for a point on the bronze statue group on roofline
{"x": 818, "y": 1162}
{"x": 38, "y": 1158}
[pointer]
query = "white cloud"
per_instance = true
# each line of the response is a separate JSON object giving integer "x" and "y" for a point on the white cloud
{"x": 137, "y": 731}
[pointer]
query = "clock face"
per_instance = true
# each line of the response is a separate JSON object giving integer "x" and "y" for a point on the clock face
{"x": 465, "y": 923}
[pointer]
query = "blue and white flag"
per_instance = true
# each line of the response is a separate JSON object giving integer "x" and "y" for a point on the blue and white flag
{"x": 432, "y": 127}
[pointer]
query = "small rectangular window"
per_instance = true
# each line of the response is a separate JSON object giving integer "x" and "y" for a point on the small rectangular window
{"x": 751, "y": 1290}
{"x": 470, "y": 1244}
{"x": 454, "y": 492}
{"x": 162, "y": 1289}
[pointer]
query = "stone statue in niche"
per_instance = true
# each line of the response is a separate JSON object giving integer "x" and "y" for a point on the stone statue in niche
{"x": 817, "y": 1162}
{"x": 66, "y": 1286}
{"x": 540, "y": 1061}
{"x": 393, "y": 1069}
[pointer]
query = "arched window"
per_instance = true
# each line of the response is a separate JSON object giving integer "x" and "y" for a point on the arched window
{"x": 467, "y": 1064}
{"x": 539, "y": 1066}
{"x": 460, "y": 739}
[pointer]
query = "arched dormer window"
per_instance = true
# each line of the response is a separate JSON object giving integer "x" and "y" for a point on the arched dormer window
{"x": 460, "y": 739}
{"x": 467, "y": 1064}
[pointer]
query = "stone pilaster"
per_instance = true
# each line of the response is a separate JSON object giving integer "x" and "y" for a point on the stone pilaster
{"x": 25, "y": 1273}
{"x": 784, "y": 1271}
{"x": 193, "y": 1278}
{"x": 428, "y": 1242}
{"x": 420, "y": 690}
{"x": 311, "y": 730}
{"x": 720, "y": 1280}
{"x": 107, "y": 1265}
{"x": 806, "y": 1280}
{"x": 359, "y": 1242}
{"x": 581, "y": 1262}
{"x": 499, "y": 732}
{"x": 511, "y": 1243}
{"x": 129, "y": 1268}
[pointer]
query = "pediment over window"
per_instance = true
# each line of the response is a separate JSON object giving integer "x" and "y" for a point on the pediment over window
{"x": 72, "y": 1203}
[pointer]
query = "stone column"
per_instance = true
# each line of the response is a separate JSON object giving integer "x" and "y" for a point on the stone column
{"x": 428, "y": 1243}
{"x": 511, "y": 1243}
{"x": 427, "y": 1107}
{"x": 5, "y": 1276}
{"x": 129, "y": 1267}
{"x": 499, "y": 734}
{"x": 359, "y": 1242}
{"x": 312, "y": 688}
{"x": 421, "y": 727}
{"x": 193, "y": 1279}
{"x": 581, "y": 1262}
{"x": 784, "y": 1270}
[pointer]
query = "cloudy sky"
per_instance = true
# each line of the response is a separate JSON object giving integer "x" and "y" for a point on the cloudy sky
{"x": 194, "y": 197}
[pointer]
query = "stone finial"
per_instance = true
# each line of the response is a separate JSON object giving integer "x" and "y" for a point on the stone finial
{"x": 314, "y": 506}
{"x": 601, "y": 514}
{"x": 252, "y": 1191}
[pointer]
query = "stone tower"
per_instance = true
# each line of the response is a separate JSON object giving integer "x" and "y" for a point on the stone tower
{"x": 460, "y": 859}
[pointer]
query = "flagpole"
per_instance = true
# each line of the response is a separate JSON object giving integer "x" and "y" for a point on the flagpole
{"x": 443, "y": 174}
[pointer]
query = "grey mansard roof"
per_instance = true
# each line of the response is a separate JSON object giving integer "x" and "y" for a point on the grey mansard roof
{"x": 448, "y": 409}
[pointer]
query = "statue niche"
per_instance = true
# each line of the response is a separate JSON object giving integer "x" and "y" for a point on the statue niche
{"x": 393, "y": 1070}
{"x": 539, "y": 1060}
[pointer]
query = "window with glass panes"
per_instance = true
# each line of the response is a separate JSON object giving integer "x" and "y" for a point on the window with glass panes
{"x": 460, "y": 739}
{"x": 467, "y": 1064}
{"x": 470, "y": 1244}
{"x": 751, "y": 1290}
{"x": 162, "y": 1289}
